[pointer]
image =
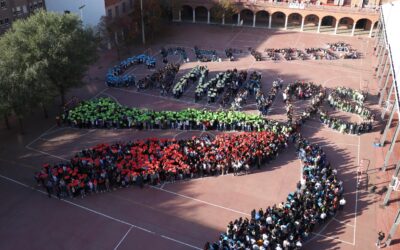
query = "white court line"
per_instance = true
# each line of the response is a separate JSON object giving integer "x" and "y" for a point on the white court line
{"x": 180, "y": 242}
{"x": 198, "y": 200}
{"x": 347, "y": 224}
{"x": 45, "y": 153}
{"x": 112, "y": 97}
{"x": 123, "y": 238}
{"x": 356, "y": 205}
{"x": 332, "y": 238}
{"x": 100, "y": 214}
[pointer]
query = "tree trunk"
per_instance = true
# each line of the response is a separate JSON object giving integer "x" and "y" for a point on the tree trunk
{"x": 21, "y": 127}
{"x": 6, "y": 121}
{"x": 62, "y": 94}
{"x": 45, "y": 113}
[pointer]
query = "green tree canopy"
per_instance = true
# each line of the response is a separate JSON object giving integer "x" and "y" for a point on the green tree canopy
{"x": 223, "y": 7}
{"x": 48, "y": 54}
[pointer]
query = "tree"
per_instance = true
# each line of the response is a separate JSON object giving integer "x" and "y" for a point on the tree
{"x": 55, "y": 51}
{"x": 43, "y": 56}
{"x": 155, "y": 13}
{"x": 223, "y": 8}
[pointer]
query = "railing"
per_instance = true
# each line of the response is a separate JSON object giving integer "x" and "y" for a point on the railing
{"x": 310, "y": 6}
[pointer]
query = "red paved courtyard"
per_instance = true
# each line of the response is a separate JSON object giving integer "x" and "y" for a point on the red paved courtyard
{"x": 184, "y": 215}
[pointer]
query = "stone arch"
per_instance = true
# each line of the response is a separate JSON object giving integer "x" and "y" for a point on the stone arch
{"x": 231, "y": 19}
{"x": 328, "y": 24}
{"x": 294, "y": 20}
{"x": 363, "y": 26}
{"x": 187, "y": 13}
{"x": 278, "y": 19}
{"x": 201, "y": 14}
{"x": 345, "y": 25}
{"x": 262, "y": 18}
{"x": 246, "y": 16}
{"x": 311, "y": 22}
{"x": 374, "y": 29}
{"x": 215, "y": 16}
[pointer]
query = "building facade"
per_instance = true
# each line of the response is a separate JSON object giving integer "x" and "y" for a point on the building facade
{"x": 118, "y": 8}
{"x": 347, "y": 17}
{"x": 11, "y": 10}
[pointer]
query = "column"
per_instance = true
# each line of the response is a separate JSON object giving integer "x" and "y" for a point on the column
{"x": 388, "y": 100}
{"x": 238, "y": 21}
{"x": 392, "y": 183}
{"x": 319, "y": 25}
{"x": 384, "y": 89}
{"x": 286, "y": 21}
{"x": 370, "y": 31}
{"x": 302, "y": 24}
{"x": 380, "y": 52}
{"x": 381, "y": 63}
{"x": 383, "y": 72}
{"x": 270, "y": 22}
{"x": 180, "y": 16}
{"x": 354, "y": 28}
{"x": 389, "y": 153}
{"x": 387, "y": 127}
{"x": 194, "y": 15}
{"x": 223, "y": 19}
{"x": 336, "y": 26}
{"x": 208, "y": 16}
{"x": 393, "y": 230}
{"x": 378, "y": 28}
{"x": 379, "y": 43}
{"x": 254, "y": 20}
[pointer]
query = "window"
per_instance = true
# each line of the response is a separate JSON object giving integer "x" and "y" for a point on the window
{"x": 6, "y": 21}
{"x": 2, "y": 3}
{"x": 131, "y": 4}
{"x": 109, "y": 12}
{"x": 1, "y": 22}
{"x": 123, "y": 7}
{"x": 116, "y": 10}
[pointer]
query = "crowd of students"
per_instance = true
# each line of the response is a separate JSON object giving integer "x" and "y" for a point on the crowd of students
{"x": 204, "y": 55}
{"x": 288, "y": 224}
{"x": 187, "y": 79}
{"x": 230, "y": 52}
{"x": 152, "y": 161}
{"x": 345, "y": 99}
{"x": 345, "y": 51}
{"x": 115, "y": 77}
{"x": 333, "y": 52}
{"x": 165, "y": 52}
{"x": 105, "y": 113}
{"x": 265, "y": 102}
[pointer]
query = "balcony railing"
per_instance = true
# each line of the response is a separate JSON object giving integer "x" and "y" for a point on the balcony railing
{"x": 310, "y": 6}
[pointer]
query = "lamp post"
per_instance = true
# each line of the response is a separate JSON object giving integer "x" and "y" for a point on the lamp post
{"x": 141, "y": 16}
{"x": 81, "y": 9}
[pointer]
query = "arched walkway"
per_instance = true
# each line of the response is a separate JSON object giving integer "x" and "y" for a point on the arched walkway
{"x": 363, "y": 27}
{"x": 374, "y": 29}
{"x": 311, "y": 23}
{"x": 278, "y": 20}
{"x": 231, "y": 19}
{"x": 187, "y": 13}
{"x": 328, "y": 24}
{"x": 294, "y": 21}
{"x": 345, "y": 25}
{"x": 262, "y": 18}
{"x": 201, "y": 14}
{"x": 215, "y": 15}
{"x": 246, "y": 16}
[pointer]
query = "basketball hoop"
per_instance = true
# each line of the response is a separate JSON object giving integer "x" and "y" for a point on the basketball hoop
{"x": 396, "y": 185}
